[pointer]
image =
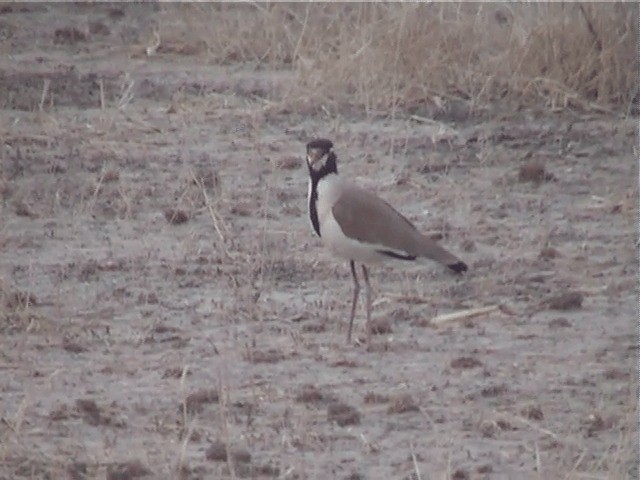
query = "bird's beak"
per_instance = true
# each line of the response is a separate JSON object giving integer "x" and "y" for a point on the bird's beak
{"x": 314, "y": 155}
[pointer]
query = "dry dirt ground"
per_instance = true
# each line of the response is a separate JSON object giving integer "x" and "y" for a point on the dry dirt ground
{"x": 167, "y": 313}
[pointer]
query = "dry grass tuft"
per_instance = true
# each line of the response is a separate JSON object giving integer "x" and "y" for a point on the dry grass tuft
{"x": 403, "y": 403}
{"x": 388, "y": 56}
{"x": 270, "y": 355}
{"x": 494, "y": 390}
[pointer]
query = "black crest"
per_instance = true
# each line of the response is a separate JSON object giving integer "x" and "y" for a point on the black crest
{"x": 320, "y": 144}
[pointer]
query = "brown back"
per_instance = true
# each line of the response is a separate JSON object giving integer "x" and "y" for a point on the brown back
{"x": 366, "y": 217}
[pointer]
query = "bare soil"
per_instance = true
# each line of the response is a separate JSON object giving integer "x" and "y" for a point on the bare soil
{"x": 166, "y": 311}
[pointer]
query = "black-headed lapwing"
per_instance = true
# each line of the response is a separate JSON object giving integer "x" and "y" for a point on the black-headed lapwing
{"x": 360, "y": 227}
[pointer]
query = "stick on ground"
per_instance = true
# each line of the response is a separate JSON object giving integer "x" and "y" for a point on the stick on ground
{"x": 463, "y": 315}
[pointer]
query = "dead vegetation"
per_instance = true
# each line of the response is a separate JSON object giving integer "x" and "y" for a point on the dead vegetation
{"x": 427, "y": 57}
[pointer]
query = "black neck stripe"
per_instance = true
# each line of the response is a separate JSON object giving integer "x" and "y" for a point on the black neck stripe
{"x": 328, "y": 168}
{"x": 313, "y": 206}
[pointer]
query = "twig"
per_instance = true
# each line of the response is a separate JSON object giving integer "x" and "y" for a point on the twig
{"x": 146, "y": 126}
{"x": 188, "y": 428}
{"x": 126, "y": 92}
{"x": 576, "y": 464}
{"x": 223, "y": 392}
{"x": 415, "y": 464}
{"x": 102, "y": 100}
{"x": 302, "y": 32}
{"x": 420, "y": 119}
{"x": 45, "y": 92}
{"x": 214, "y": 216}
{"x": 592, "y": 30}
{"x": 542, "y": 430}
{"x": 463, "y": 315}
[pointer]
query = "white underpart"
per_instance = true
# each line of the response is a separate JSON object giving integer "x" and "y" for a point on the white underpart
{"x": 329, "y": 189}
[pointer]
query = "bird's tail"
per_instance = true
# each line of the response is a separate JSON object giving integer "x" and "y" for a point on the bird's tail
{"x": 431, "y": 249}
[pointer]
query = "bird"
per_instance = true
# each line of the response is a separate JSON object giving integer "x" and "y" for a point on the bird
{"x": 358, "y": 226}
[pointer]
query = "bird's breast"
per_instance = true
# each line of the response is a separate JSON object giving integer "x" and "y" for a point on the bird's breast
{"x": 322, "y": 196}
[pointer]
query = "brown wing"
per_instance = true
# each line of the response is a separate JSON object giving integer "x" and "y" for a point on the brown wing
{"x": 366, "y": 217}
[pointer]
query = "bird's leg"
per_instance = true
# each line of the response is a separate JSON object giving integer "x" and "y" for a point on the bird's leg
{"x": 366, "y": 281}
{"x": 356, "y": 292}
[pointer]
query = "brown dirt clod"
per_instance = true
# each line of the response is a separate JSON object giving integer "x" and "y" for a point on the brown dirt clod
{"x": 241, "y": 455}
{"x": 465, "y": 362}
{"x": 486, "y": 468}
{"x": 616, "y": 374}
{"x": 77, "y": 471}
{"x": 559, "y": 322}
{"x": 242, "y": 209}
{"x": 346, "y": 363}
{"x": 217, "y": 452}
{"x": 374, "y": 398}
{"x": 494, "y": 390}
{"x": 549, "y": 253}
{"x": 354, "y": 476}
{"x": 534, "y": 172}
{"x": 309, "y": 394}
{"x": 343, "y": 414}
{"x": 566, "y": 301}
{"x": 381, "y": 326}
{"x": 532, "y": 412}
{"x": 23, "y": 209}
{"x": 72, "y": 346}
{"x": 127, "y": 471}
{"x": 176, "y": 216}
{"x": 60, "y": 412}
{"x": 99, "y": 28}
{"x": 316, "y": 327}
{"x": 90, "y": 411}
{"x": 110, "y": 176}
{"x": 68, "y": 36}
{"x": 116, "y": 13}
{"x": 195, "y": 401}
{"x": 595, "y": 423}
{"x": 504, "y": 424}
{"x": 460, "y": 474}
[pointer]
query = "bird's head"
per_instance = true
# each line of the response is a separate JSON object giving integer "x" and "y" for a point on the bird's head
{"x": 320, "y": 157}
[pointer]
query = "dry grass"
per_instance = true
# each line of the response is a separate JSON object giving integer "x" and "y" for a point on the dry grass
{"x": 376, "y": 56}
